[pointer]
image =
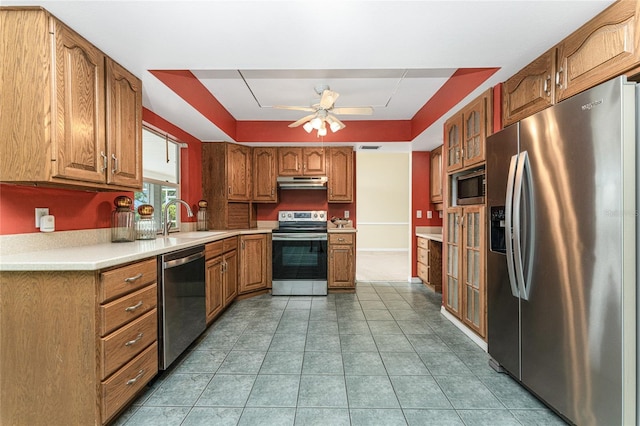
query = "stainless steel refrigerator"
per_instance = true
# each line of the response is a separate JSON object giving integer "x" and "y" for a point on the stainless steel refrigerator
{"x": 561, "y": 255}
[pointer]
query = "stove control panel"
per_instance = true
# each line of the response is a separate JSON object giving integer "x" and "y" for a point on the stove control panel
{"x": 302, "y": 216}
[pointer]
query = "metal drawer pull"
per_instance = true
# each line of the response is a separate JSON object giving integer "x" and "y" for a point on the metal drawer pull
{"x": 134, "y": 341}
{"x": 115, "y": 163}
{"x": 134, "y": 307}
{"x": 341, "y": 240}
{"x": 133, "y": 279}
{"x": 135, "y": 379}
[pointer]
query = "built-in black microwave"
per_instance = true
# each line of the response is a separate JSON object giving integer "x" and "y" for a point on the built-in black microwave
{"x": 470, "y": 188}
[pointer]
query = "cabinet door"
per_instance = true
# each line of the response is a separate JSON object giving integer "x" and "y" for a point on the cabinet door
{"x": 453, "y": 258}
{"x": 603, "y": 48}
{"x": 79, "y": 91}
{"x": 474, "y": 291}
{"x": 124, "y": 126}
{"x": 530, "y": 90}
{"x": 230, "y": 288}
{"x": 314, "y": 162}
{"x": 340, "y": 184}
{"x": 238, "y": 172}
{"x": 289, "y": 161}
{"x": 453, "y": 142}
{"x": 341, "y": 266}
{"x": 264, "y": 175}
{"x": 253, "y": 268}
{"x": 436, "y": 175}
{"x": 474, "y": 131}
{"x": 214, "y": 282}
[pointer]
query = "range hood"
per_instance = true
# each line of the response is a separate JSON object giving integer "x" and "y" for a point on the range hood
{"x": 302, "y": 182}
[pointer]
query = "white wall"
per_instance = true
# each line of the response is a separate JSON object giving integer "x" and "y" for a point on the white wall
{"x": 383, "y": 187}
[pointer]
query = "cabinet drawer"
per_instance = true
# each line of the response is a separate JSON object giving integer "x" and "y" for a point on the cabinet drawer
{"x": 126, "y": 279}
{"x": 125, "y": 309}
{"x": 123, "y": 344}
{"x": 424, "y": 243}
{"x": 213, "y": 249}
{"x": 423, "y": 256}
{"x": 229, "y": 244}
{"x": 128, "y": 381}
{"x": 423, "y": 272}
{"x": 342, "y": 238}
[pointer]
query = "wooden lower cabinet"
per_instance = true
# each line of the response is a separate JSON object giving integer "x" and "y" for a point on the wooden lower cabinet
{"x": 221, "y": 275}
{"x": 255, "y": 261}
{"x": 342, "y": 261}
{"x": 429, "y": 265}
{"x": 67, "y": 354}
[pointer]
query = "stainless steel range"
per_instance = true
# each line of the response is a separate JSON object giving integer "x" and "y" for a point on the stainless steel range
{"x": 300, "y": 254}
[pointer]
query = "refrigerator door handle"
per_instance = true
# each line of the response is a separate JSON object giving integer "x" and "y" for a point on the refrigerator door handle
{"x": 508, "y": 216}
{"x": 523, "y": 172}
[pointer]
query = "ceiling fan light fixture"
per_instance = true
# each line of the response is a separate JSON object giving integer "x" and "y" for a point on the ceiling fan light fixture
{"x": 334, "y": 126}
{"x": 322, "y": 131}
{"x": 316, "y": 123}
{"x": 307, "y": 127}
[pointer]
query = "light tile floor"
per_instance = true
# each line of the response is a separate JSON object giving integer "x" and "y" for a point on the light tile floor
{"x": 382, "y": 356}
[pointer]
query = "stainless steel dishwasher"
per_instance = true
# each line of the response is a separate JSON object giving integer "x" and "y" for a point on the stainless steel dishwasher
{"x": 182, "y": 302}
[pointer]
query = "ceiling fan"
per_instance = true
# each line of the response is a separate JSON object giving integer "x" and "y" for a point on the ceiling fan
{"x": 325, "y": 113}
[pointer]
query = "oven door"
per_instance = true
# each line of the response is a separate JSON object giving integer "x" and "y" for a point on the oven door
{"x": 299, "y": 263}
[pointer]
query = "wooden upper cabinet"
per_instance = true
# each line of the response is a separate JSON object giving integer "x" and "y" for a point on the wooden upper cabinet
{"x": 265, "y": 172}
{"x": 603, "y": 48}
{"x": 71, "y": 116}
{"x": 453, "y": 142}
{"x": 436, "y": 176}
{"x": 80, "y": 113}
{"x": 124, "y": 126}
{"x": 297, "y": 161}
{"x": 531, "y": 90}
{"x": 340, "y": 183}
{"x": 238, "y": 172}
{"x": 313, "y": 162}
{"x": 476, "y": 127}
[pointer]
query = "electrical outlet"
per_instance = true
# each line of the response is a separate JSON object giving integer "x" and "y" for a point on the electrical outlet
{"x": 346, "y": 214}
{"x": 41, "y": 211}
{"x": 440, "y": 214}
{"x": 429, "y": 214}
{"x": 419, "y": 214}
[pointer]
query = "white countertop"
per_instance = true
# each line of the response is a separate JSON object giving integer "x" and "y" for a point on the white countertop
{"x": 349, "y": 230}
{"x": 430, "y": 236}
{"x": 98, "y": 256}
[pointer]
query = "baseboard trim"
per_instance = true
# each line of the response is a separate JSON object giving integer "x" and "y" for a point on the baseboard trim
{"x": 470, "y": 334}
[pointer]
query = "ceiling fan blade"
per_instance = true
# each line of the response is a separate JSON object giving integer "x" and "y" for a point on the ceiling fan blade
{"x": 353, "y": 110}
{"x": 302, "y": 120}
{"x": 328, "y": 99}
{"x": 295, "y": 108}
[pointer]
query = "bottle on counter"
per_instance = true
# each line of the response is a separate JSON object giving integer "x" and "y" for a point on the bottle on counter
{"x": 122, "y": 220}
{"x": 203, "y": 216}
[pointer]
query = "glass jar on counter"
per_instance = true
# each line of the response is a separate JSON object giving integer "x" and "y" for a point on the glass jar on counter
{"x": 146, "y": 228}
{"x": 203, "y": 216}
{"x": 122, "y": 220}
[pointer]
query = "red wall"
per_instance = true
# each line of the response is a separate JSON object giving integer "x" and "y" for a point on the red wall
{"x": 77, "y": 209}
{"x": 421, "y": 199}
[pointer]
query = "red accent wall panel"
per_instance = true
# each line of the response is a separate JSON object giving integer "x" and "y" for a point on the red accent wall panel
{"x": 356, "y": 131}
{"x": 421, "y": 199}
{"x": 461, "y": 83}
{"x": 189, "y": 88}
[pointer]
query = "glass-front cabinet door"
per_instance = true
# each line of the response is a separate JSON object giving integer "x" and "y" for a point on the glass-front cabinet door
{"x": 453, "y": 142}
{"x": 451, "y": 290}
{"x": 473, "y": 290}
{"x": 474, "y": 131}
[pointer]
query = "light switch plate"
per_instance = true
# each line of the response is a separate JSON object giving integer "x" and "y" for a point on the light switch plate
{"x": 346, "y": 214}
{"x": 419, "y": 214}
{"x": 41, "y": 211}
{"x": 429, "y": 214}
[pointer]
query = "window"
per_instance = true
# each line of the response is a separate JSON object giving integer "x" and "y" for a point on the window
{"x": 161, "y": 172}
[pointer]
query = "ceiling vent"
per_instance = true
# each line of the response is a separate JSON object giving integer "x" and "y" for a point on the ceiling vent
{"x": 371, "y": 147}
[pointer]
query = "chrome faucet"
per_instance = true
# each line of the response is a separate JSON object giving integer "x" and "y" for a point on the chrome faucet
{"x": 167, "y": 223}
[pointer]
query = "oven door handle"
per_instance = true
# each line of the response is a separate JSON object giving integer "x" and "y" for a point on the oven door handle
{"x": 298, "y": 236}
